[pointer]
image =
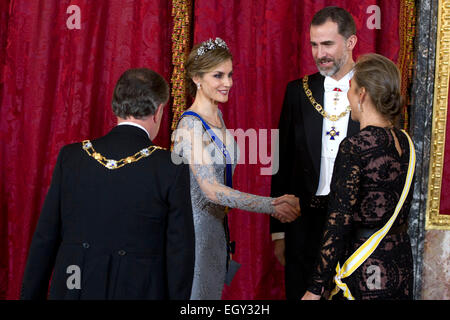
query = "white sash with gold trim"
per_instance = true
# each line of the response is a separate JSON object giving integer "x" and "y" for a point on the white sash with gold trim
{"x": 368, "y": 247}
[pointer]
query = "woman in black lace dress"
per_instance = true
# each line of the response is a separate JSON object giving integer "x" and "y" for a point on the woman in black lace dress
{"x": 368, "y": 179}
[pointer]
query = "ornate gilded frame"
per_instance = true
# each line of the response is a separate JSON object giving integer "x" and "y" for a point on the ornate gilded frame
{"x": 435, "y": 220}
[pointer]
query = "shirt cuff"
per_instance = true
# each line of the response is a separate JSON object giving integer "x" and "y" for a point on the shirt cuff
{"x": 277, "y": 236}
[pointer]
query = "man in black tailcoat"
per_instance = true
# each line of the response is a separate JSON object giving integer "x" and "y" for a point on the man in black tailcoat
{"x": 314, "y": 119}
{"x": 117, "y": 220}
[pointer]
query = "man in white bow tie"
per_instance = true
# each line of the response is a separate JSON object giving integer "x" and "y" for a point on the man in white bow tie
{"x": 314, "y": 119}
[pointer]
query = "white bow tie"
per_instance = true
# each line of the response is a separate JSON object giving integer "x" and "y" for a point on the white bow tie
{"x": 344, "y": 84}
{"x": 330, "y": 84}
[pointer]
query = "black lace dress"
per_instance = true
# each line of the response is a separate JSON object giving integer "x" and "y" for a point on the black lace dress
{"x": 368, "y": 179}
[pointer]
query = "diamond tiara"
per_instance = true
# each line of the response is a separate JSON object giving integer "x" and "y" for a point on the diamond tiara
{"x": 211, "y": 45}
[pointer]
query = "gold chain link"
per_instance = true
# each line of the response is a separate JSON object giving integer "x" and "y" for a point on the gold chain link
{"x": 318, "y": 107}
{"x": 116, "y": 164}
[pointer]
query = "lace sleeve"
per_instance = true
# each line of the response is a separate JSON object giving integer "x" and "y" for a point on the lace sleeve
{"x": 190, "y": 143}
{"x": 343, "y": 196}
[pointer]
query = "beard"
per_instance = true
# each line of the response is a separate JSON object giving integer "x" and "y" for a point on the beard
{"x": 335, "y": 67}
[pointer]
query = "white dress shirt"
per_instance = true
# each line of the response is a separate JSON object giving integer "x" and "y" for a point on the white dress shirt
{"x": 330, "y": 146}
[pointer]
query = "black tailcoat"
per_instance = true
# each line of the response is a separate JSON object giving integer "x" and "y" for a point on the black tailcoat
{"x": 129, "y": 231}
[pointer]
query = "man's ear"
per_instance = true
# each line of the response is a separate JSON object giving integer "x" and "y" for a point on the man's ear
{"x": 159, "y": 112}
{"x": 351, "y": 42}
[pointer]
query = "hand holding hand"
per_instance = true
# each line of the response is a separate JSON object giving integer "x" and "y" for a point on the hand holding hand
{"x": 291, "y": 199}
{"x": 287, "y": 208}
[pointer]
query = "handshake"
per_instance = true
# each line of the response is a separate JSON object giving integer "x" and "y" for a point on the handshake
{"x": 287, "y": 208}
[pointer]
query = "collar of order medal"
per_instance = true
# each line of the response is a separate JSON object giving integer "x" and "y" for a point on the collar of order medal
{"x": 332, "y": 117}
{"x": 116, "y": 164}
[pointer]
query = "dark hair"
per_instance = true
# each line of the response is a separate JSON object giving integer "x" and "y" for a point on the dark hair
{"x": 344, "y": 20}
{"x": 138, "y": 93}
{"x": 381, "y": 78}
{"x": 197, "y": 65}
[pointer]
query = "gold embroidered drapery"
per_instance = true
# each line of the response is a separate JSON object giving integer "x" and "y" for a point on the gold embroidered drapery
{"x": 407, "y": 24}
{"x": 181, "y": 38}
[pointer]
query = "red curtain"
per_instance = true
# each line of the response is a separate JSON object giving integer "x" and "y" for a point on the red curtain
{"x": 270, "y": 45}
{"x": 56, "y": 87}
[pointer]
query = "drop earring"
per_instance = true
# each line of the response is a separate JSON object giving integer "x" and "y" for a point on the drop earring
{"x": 359, "y": 107}
{"x": 198, "y": 86}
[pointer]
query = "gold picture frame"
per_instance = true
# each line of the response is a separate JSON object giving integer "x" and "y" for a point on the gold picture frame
{"x": 435, "y": 220}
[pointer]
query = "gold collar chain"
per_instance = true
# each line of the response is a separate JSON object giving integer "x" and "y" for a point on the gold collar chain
{"x": 318, "y": 107}
{"x": 116, "y": 164}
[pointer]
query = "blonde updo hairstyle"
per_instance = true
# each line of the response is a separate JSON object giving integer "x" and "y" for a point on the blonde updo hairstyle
{"x": 197, "y": 65}
{"x": 381, "y": 78}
